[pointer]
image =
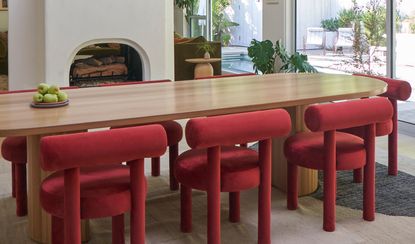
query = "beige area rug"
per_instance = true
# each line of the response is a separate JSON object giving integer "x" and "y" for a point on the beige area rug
{"x": 301, "y": 226}
{"x": 4, "y": 83}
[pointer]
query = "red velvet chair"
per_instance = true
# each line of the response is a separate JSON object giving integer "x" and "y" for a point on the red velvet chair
{"x": 225, "y": 76}
{"x": 174, "y": 136}
{"x": 13, "y": 149}
{"x": 398, "y": 90}
{"x": 91, "y": 183}
{"x": 214, "y": 165}
{"x": 329, "y": 150}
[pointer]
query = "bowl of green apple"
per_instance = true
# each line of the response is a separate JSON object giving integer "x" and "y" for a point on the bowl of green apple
{"x": 49, "y": 96}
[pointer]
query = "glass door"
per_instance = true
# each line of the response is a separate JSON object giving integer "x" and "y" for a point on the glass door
{"x": 404, "y": 67}
{"x": 343, "y": 36}
{"x": 405, "y": 39}
{"x": 198, "y": 19}
{"x": 235, "y": 23}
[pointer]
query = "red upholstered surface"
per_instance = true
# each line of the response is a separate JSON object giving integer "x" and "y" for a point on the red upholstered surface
{"x": 102, "y": 147}
{"x": 237, "y": 128}
{"x": 307, "y": 149}
{"x": 14, "y": 149}
{"x": 174, "y": 132}
{"x": 239, "y": 169}
{"x": 105, "y": 191}
{"x": 397, "y": 89}
{"x": 225, "y": 76}
{"x": 133, "y": 83}
{"x": 342, "y": 115}
{"x": 173, "y": 129}
{"x": 382, "y": 129}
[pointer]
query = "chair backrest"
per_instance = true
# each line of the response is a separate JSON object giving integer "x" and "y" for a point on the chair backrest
{"x": 133, "y": 83}
{"x": 345, "y": 37}
{"x": 397, "y": 89}
{"x": 237, "y": 128}
{"x": 225, "y": 76}
{"x": 102, "y": 147}
{"x": 342, "y": 115}
{"x": 315, "y": 36}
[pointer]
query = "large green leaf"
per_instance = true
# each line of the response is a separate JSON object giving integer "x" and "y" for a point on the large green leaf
{"x": 262, "y": 54}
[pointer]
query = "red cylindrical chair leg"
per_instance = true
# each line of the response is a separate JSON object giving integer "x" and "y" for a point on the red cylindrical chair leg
{"x": 57, "y": 230}
{"x": 393, "y": 142}
{"x": 155, "y": 166}
{"x": 264, "y": 198}
{"x": 138, "y": 201}
{"x": 118, "y": 229}
{"x": 213, "y": 195}
{"x": 357, "y": 175}
{"x": 13, "y": 179}
{"x": 329, "y": 221}
{"x": 20, "y": 187}
{"x": 234, "y": 207}
{"x": 72, "y": 204}
{"x": 292, "y": 186}
{"x": 173, "y": 154}
{"x": 369, "y": 175}
{"x": 185, "y": 209}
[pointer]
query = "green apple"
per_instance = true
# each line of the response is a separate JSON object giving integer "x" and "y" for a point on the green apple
{"x": 38, "y": 98}
{"x": 62, "y": 96}
{"x": 53, "y": 89}
{"x": 50, "y": 98}
{"x": 43, "y": 88}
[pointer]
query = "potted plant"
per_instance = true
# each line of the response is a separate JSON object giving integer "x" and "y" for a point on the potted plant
{"x": 262, "y": 54}
{"x": 265, "y": 57}
{"x": 207, "y": 49}
{"x": 330, "y": 28}
{"x": 295, "y": 63}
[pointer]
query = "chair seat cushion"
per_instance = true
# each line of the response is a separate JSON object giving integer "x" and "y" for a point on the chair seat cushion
{"x": 382, "y": 129}
{"x": 307, "y": 150}
{"x": 239, "y": 169}
{"x": 14, "y": 149}
{"x": 105, "y": 191}
{"x": 173, "y": 130}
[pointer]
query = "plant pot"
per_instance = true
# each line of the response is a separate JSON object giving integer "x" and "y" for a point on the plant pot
{"x": 330, "y": 39}
{"x": 206, "y": 55}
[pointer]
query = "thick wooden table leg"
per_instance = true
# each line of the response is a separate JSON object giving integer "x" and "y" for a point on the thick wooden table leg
{"x": 39, "y": 222}
{"x": 308, "y": 179}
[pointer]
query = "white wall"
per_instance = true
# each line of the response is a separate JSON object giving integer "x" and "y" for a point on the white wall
{"x": 45, "y": 36}
{"x": 248, "y": 14}
{"x": 168, "y": 49}
{"x": 180, "y": 23}
{"x": 26, "y": 44}
{"x": 4, "y": 20}
{"x": 277, "y": 22}
{"x": 145, "y": 25}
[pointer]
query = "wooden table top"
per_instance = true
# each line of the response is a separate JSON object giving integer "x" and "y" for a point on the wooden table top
{"x": 138, "y": 104}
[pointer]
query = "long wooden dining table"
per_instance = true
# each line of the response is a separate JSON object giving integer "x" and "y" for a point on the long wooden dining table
{"x": 103, "y": 107}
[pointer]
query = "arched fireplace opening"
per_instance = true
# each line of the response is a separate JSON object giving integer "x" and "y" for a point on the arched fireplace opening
{"x": 104, "y": 63}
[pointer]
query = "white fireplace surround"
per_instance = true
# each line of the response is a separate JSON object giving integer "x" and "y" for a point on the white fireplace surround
{"x": 45, "y": 35}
